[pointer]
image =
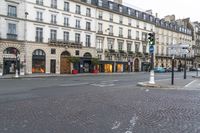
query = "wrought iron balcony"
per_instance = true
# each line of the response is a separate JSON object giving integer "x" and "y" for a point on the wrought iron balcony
{"x": 11, "y": 36}
{"x": 65, "y": 43}
{"x": 53, "y": 6}
{"x": 39, "y": 2}
{"x": 12, "y": 14}
{"x": 39, "y": 39}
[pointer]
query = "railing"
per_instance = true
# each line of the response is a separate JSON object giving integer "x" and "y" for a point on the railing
{"x": 66, "y": 24}
{"x": 66, "y": 9}
{"x": 120, "y": 35}
{"x": 38, "y": 39}
{"x": 88, "y": 14}
{"x": 53, "y": 6}
{"x": 12, "y": 14}
{"x": 39, "y": 19}
{"x": 88, "y": 28}
{"x": 65, "y": 43}
{"x": 53, "y": 22}
{"x": 100, "y": 32}
{"x": 11, "y": 36}
{"x": 129, "y": 37}
{"x": 39, "y": 2}
{"x": 78, "y": 12}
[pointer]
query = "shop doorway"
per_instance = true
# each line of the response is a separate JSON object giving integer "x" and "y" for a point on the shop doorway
{"x": 38, "y": 61}
{"x": 53, "y": 66}
{"x": 65, "y": 67}
{"x": 136, "y": 65}
{"x": 11, "y": 60}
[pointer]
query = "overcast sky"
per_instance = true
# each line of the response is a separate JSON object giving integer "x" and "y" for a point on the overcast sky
{"x": 181, "y": 8}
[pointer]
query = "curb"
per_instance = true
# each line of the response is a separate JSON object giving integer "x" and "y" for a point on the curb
{"x": 198, "y": 77}
{"x": 146, "y": 84}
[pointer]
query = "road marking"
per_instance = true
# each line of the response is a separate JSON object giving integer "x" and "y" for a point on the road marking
{"x": 132, "y": 124}
{"x": 166, "y": 79}
{"x": 103, "y": 85}
{"x": 76, "y": 84}
{"x": 116, "y": 125}
{"x": 190, "y": 83}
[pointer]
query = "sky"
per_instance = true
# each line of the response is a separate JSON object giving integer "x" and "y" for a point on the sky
{"x": 180, "y": 8}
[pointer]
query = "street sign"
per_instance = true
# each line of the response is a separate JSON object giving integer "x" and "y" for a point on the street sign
{"x": 151, "y": 49}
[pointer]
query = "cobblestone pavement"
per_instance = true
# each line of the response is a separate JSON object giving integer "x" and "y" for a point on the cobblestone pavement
{"x": 102, "y": 106}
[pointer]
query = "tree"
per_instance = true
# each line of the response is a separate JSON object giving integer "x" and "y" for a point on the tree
{"x": 75, "y": 61}
{"x": 95, "y": 62}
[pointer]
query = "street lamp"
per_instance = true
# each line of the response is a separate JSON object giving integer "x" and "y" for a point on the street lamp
{"x": 16, "y": 63}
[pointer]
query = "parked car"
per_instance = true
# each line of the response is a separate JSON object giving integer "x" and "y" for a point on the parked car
{"x": 159, "y": 70}
{"x": 168, "y": 69}
{"x": 192, "y": 69}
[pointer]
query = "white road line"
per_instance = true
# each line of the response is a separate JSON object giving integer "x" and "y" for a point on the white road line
{"x": 165, "y": 79}
{"x": 190, "y": 83}
{"x": 76, "y": 84}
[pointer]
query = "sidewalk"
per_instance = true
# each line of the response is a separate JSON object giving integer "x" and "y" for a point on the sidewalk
{"x": 179, "y": 83}
{"x": 12, "y": 76}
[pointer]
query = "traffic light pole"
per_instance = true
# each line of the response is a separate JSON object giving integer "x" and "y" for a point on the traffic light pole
{"x": 172, "y": 80}
{"x": 185, "y": 67}
{"x": 152, "y": 79}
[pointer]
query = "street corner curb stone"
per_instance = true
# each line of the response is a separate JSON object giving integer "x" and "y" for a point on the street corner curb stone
{"x": 147, "y": 84}
{"x": 198, "y": 77}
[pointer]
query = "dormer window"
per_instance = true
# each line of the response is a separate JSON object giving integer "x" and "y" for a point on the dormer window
{"x": 137, "y": 14}
{"x": 120, "y": 9}
{"x": 129, "y": 11}
{"x": 111, "y": 6}
{"x": 144, "y": 16}
{"x": 100, "y": 3}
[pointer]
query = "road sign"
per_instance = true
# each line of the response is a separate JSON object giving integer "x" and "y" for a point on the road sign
{"x": 151, "y": 49}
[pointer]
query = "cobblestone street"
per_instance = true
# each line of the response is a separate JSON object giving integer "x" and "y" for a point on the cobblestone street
{"x": 99, "y": 104}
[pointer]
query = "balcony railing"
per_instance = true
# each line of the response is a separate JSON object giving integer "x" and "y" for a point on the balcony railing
{"x": 39, "y": 2}
{"x": 38, "y": 39}
{"x": 66, "y": 24}
{"x": 53, "y": 6}
{"x": 11, "y": 36}
{"x": 78, "y": 12}
{"x": 66, "y": 9}
{"x": 39, "y": 19}
{"x": 100, "y": 32}
{"x": 120, "y": 35}
{"x": 65, "y": 43}
{"x": 87, "y": 44}
{"x": 53, "y": 22}
{"x": 12, "y": 14}
{"x": 110, "y": 33}
{"x": 88, "y": 14}
{"x": 129, "y": 37}
{"x": 88, "y": 28}
{"x": 78, "y": 26}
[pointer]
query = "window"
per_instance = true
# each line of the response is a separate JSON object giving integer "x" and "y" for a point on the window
{"x": 144, "y": 36}
{"x": 12, "y": 11}
{"x": 145, "y": 25}
{"x": 120, "y": 46}
{"x": 89, "y": 1}
{"x": 144, "y": 16}
{"x": 137, "y": 14}
{"x": 129, "y": 33}
{"x": 77, "y": 38}
{"x": 129, "y": 22}
{"x": 88, "y": 26}
{"x": 144, "y": 48}
{"x": 100, "y": 27}
{"x": 129, "y": 11}
{"x": 77, "y": 52}
{"x": 137, "y": 35}
{"x": 99, "y": 44}
{"x": 87, "y": 44}
{"x": 39, "y": 2}
{"x": 39, "y": 16}
{"x": 129, "y": 46}
{"x": 100, "y": 3}
{"x": 120, "y": 9}
{"x": 78, "y": 9}
{"x": 137, "y": 45}
{"x": 78, "y": 24}
{"x": 137, "y": 24}
{"x": 88, "y": 12}
{"x": 53, "y": 35}
{"x": 66, "y": 21}
{"x": 100, "y": 15}
{"x": 111, "y": 6}
{"x": 120, "y": 19}
{"x": 11, "y": 31}
{"x": 111, "y": 29}
{"x": 120, "y": 31}
{"x": 53, "y": 51}
{"x": 66, "y": 6}
{"x": 66, "y": 36}
{"x": 111, "y": 17}
{"x": 53, "y": 3}
{"x": 53, "y": 19}
{"x": 39, "y": 34}
{"x": 110, "y": 44}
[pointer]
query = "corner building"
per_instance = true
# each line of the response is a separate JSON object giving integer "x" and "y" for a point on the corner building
{"x": 45, "y": 33}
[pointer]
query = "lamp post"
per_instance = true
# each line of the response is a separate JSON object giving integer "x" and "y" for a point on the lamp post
{"x": 16, "y": 64}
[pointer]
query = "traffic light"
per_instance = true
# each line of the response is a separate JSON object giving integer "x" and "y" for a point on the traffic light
{"x": 151, "y": 38}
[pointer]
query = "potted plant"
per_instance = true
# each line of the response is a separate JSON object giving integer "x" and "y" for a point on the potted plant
{"x": 95, "y": 62}
{"x": 1, "y": 69}
{"x": 75, "y": 61}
